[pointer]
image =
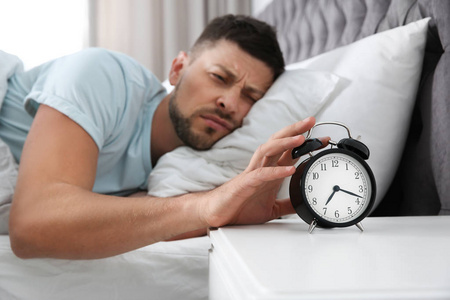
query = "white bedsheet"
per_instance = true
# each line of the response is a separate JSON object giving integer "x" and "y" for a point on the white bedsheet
{"x": 167, "y": 270}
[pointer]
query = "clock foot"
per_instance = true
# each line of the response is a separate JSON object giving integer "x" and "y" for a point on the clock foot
{"x": 359, "y": 225}
{"x": 312, "y": 226}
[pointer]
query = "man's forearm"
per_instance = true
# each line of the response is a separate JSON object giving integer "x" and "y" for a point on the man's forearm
{"x": 86, "y": 225}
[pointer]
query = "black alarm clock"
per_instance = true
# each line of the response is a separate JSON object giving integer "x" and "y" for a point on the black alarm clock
{"x": 335, "y": 187}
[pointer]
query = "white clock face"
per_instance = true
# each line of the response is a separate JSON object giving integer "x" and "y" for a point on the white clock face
{"x": 337, "y": 188}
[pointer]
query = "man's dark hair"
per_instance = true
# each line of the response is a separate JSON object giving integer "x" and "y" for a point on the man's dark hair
{"x": 255, "y": 37}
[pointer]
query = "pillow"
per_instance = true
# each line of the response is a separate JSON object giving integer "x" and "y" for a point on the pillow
{"x": 295, "y": 95}
{"x": 382, "y": 73}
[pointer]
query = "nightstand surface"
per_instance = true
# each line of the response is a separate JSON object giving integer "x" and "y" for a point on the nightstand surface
{"x": 394, "y": 258}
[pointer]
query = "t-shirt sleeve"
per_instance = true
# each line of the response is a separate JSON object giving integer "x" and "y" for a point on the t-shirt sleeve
{"x": 89, "y": 87}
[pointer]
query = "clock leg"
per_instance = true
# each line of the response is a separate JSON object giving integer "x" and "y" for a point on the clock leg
{"x": 359, "y": 225}
{"x": 312, "y": 225}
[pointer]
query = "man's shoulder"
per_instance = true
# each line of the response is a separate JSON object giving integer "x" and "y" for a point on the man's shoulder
{"x": 98, "y": 56}
{"x": 108, "y": 59}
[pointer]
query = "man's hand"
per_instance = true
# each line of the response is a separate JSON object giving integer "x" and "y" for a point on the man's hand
{"x": 250, "y": 198}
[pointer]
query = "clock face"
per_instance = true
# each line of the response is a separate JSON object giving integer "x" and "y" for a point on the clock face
{"x": 338, "y": 188}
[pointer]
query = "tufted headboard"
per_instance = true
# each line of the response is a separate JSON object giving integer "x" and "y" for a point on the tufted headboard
{"x": 309, "y": 27}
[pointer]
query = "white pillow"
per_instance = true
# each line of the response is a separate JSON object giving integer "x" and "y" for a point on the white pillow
{"x": 382, "y": 73}
{"x": 295, "y": 95}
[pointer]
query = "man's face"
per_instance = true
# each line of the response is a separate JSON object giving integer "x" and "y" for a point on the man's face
{"x": 214, "y": 92}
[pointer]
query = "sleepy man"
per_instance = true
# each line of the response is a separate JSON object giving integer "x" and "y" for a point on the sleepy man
{"x": 88, "y": 128}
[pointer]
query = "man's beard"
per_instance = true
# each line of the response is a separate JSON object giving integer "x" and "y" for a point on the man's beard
{"x": 183, "y": 125}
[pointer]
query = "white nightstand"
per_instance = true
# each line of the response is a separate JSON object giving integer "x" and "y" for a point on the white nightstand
{"x": 394, "y": 258}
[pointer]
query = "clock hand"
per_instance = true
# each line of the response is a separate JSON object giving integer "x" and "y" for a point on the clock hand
{"x": 329, "y": 199}
{"x": 350, "y": 193}
{"x": 336, "y": 188}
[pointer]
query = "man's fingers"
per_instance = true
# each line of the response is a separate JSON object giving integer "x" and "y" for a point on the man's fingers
{"x": 279, "y": 146}
{"x": 296, "y": 128}
{"x": 285, "y": 207}
{"x": 287, "y": 160}
{"x": 269, "y": 153}
{"x": 324, "y": 141}
{"x": 274, "y": 151}
{"x": 286, "y": 139}
{"x": 263, "y": 175}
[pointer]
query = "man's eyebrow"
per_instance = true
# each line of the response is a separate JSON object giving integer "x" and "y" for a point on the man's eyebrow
{"x": 254, "y": 90}
{"x": 227, "y": 71}
{"x": 249, "y": 89}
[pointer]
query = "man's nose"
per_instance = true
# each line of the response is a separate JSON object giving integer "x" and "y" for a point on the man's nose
{"x": 229, "y": 100}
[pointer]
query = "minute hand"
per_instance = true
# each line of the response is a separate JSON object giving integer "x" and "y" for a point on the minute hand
{"x": 350, "y": 193}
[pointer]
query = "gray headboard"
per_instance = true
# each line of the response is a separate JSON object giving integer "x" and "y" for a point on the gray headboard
{"x": 310, "y": 27}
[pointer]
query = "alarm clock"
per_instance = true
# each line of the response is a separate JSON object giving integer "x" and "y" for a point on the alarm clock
{"x": 335, "y": 187}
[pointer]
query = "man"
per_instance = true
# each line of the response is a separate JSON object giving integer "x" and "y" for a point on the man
{"x": 87, "y": 129}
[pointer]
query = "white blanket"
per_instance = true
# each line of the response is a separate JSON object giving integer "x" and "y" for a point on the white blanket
{"x": 9, "y": 64}
{"x": 173, "y": 270}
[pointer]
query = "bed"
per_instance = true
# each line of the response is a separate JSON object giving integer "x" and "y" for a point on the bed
{"x": 402, "y": 114}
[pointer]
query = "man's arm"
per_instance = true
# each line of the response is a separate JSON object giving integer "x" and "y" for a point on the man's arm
{"x": 55, "y": 213}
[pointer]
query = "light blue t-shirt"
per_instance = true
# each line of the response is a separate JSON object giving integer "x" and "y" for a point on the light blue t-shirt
{"x": 108, "y": 94}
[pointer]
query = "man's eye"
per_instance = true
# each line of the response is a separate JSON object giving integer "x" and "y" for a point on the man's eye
{"x": 253, "y": 99}
{"x": 217, "y": 76}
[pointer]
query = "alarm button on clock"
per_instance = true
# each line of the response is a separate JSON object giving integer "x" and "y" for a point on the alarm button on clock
{"x": 307, "y": 147}
{"x": 354, "y": 146}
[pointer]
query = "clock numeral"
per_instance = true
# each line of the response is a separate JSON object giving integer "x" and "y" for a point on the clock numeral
{"x": 324, "y": 211}
{"x": 315, "y": 176}
{"x": 356, "y": 175}
{"x": 310, "y": 188}
{"x": 314, "y": 201}
{"x": 336, "y": 213}
{"x": 361, "y": 189}
{"x": 349, "y": 210}
{"x": 346, "y": 166}
{"x": 357, "y": 201}
{"x": 323, "y": 167}
{"x": 334, "y": 163}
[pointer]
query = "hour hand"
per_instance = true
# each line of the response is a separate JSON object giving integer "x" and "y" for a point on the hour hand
{"x": 350, "y": 193}
{"x": 331, "y": 196}
{"x": 335, "y": 189}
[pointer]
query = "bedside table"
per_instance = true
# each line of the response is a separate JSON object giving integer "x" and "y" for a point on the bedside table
{"x": 394, "y": 258}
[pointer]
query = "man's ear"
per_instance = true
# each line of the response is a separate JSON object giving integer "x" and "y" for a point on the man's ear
{"x": 178, "y": 65}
